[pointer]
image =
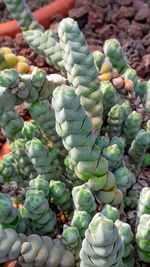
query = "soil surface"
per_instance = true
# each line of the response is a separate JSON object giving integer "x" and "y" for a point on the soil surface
{"x": 34, "y": 5}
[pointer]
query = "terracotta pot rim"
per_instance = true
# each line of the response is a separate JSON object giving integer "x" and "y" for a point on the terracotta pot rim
{"x": 43, "y": 15}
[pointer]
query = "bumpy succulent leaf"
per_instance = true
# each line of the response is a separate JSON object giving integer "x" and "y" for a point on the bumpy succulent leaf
{"x": 131, "y": 126}
{"x": 60, "y": 196}
{"x": 44, "y": 116}
{"x": 142, "y": 238}
{"x": 126, "y": 234}
{"x": 81, "y": 70}
{"x": 83, "y": 199}
{"x": 42, "y": 160}
{"x": 113, "y": 50}
{"x": 114, "y": 157}
{"x": 98, "y": 59}
{"x": 124, "y": 179}
{"x": 40, "y": 184}
{"x": 144, "y": 203}
{"x": 22, "y": 160}
{"x": 147, "y": 98}
{"x": 23, "y": 15}
{"x": 139, "y": 146}
{"x": 110, "y": 212}
{"x": 31, "y": 130}
{"x": 71, "y": 238}
{"x": 37, "y": 210}
{"x": 81, "y": 221}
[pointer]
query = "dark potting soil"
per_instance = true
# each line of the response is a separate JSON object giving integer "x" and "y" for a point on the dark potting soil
{"x": 33, "y": 5}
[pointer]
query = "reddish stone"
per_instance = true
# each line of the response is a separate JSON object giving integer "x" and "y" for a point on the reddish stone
{"x": 108, "y": 31}
{"x": 22, "y": 111}
{"x": 124, "y": 2}
{"x": 148, "y": 50}
{"x": 127, "y": 12}
{"x": 146, "y": 60}
{"x": 135, "y": 31}
{"x": 101, "y": 3}
{"x": 95, "y": 20}
{"x": 146, "y": 40}
{"x": 115, "y": 16}
{"x": 123, "y": 24}
{"x": 137, "y": 4}
{"x": 79, "y": 12}
{"x": 143, "y": 13}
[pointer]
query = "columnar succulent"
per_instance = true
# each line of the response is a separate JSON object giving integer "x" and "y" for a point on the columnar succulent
{"x": 144, "y": 203}
{"x": 9, "y": 171}
{"x": 74, "y": 126}
{"x": 126, "y": 234}
{"x": 40, "y": 184}
{"x": 42, "y": 160}
{"x": 81, "y": 196}
{"x": 114, "y": 51}
{"x": 124, "y": 179}
{"x": 114, "y": 157}
{"x": 22, "y": 160}
{"x": 34, "y": 250}
{"x": 31, "y": 130}
{"x": 71, "y": 238}
{"x": 60, "y": 196}
{"x": 9, "y": 216}
{"x": 102, "y": 245}
{"x": 147, "y": 98}
{"x": 23, "y": 15}
{"x": 139, "y": 146}
{"x": 10, "y": 245}
{"x": 81, "y": 71}
{"x": 80, "y": 221}
{"x": 44, "y": 116}
{"x": 37, "y": 210}
{"x": 131, "y": 126}
{"x": 142, "y": 238}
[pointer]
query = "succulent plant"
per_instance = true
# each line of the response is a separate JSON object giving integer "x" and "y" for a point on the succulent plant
{"x": 110, "y": 212}
{"x": 101, "y": 249}
{"x": 145, "y": 160}
{"x": 22, "y": 160}
{"x": 110, "y": 96}
{"x": 80, "y": 220}
{"x": 126, "y": 234}
{"x": 40, "y": 184}
{"x": 81, "y": 70}
{"x": 142, "y": 238}
{"x": 120, "y": 142}
{"x": 81, "y": 196}
{"x": 10, "y": 245}
{"x": 147, "y": 98}
{"x": 102, "y": 142}
{"x": 114, "y": 157}
{"x": 139, "y": 146}
{"x": 131, "y": 126}
{"x": 71, "y": 238}
{"x": 9, "y": 60}
{"x": 124, "y": 179}
{"x": 31, "y": 130}
{"x": 114, "y": 52}
{"x": 98, "y": 59}
{"x": 144, "y": 203}
{"x": 40, "y": 215}
{"x": 116, "y": 117}
{"x": 44, "y": 116}
{"x": 42, "y": 160}
{"x": 23, "y": 15}
{"x": 9, "y": 216}
{"x": 131, "y": 199}
{"x": 9, "y": 171}
{"x": 60, "y": 196}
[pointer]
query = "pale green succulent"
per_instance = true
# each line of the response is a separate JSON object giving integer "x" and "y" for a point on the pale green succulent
{"x": 110, "y": 212}
{"x": 114, "y": 52}
{"x": 81, "y": 70}
{"x": 71, "y": 238}
{"x": 126, "y": 234}
{"x": 139, "y": 146}
{"x": 60, "y": 196}
{"x": 143, "y": 203}
{"x": 142, "y": 238}
{"x": 102, "y": 245}
{"x": 80, "y": 220}
{"x": 124, "y": 179}
{"x": 36, "y": 209}
{"x": 131, "y": 126}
